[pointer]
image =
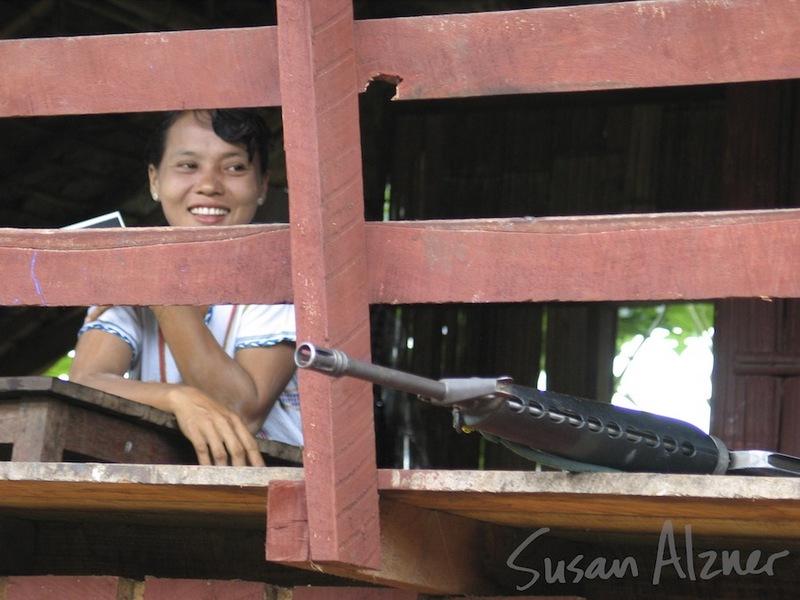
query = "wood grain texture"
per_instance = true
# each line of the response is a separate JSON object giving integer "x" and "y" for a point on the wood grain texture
{"x": 287, "y": 522}
{"x": 607, "y": 46}
{"x": 139, "y": 72}
{"x": 620, "y": 45}
{"x": 584, "y": 259}
{"x": 441, "y": 529}
{"x": 49, "y": 587}
{"x": 322, "y": 142}
{"x": 146, "y": 266}
{"x": 677, "y": 256}
{"x": 422, "y": 551}
{"x": 758, "y": 509}
{"x": 170, "y": 494}
{"x": 44, "y": 417}
{"x": 160, "y": 588}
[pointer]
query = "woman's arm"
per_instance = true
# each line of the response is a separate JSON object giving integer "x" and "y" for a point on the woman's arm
{"x": 216, "y": 432}
{"x": 248, "y": 384}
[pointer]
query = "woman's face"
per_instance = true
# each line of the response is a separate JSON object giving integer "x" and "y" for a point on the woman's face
{"x": 204, "y": 180}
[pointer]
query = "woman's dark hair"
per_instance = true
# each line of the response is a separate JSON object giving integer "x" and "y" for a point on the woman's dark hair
{"x": 234, "y": 125}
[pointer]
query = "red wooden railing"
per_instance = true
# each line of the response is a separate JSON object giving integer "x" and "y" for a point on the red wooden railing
{"x": 314, "y": 64}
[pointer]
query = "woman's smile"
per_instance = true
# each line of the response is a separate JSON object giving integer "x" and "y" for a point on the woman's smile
{"x": 204, "y": 180}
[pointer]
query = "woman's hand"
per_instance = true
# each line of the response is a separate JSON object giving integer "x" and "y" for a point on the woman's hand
{"x": 218, "y": 435}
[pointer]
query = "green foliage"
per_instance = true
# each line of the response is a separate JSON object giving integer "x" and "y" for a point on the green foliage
{"x": 60, "y": 367}
{"x": 682, "y": 320}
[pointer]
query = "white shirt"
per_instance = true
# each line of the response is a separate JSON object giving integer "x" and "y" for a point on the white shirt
{"x": 234, "y": 328}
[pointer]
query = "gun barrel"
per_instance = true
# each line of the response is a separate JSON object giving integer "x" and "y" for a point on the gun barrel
{"x": 337, "y": 363}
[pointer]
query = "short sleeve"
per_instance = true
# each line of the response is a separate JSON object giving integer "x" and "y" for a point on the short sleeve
{"x": 264, "y": 325}
{"x": 121, "y": 321}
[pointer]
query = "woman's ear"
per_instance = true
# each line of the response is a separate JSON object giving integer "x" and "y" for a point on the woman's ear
{"x": 152, "y": 175}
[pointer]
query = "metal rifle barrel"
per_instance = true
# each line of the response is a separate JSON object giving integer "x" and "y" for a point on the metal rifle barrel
{"x": 337, "y": 363}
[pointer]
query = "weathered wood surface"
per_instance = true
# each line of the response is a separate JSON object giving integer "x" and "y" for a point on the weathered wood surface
{"x": 421, "y": 550}
{"x": 329, "y": 267}
{"x": 663, "y": 257}
{"x": 584, "y": 259}
{"x": 67, "y": 588}
{"x": 607, "y": 46}
{"x": 139, "y": 72}
{"x": 173, "y": 494}
{"x": 754, "y": 509}
{"x": 443, "y": 530}
{"x": 146, "y": 266}
{"x": 617, "y": 45}
{"x": 44, "y": 417}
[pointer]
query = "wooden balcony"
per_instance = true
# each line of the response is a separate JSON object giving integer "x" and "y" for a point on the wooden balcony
{"x": 339, "y": 520}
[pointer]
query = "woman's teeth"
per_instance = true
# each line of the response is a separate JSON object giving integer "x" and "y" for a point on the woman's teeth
{"x": 209, "y": 211}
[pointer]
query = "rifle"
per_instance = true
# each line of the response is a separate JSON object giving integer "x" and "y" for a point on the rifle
{"x": 559, "y": 430}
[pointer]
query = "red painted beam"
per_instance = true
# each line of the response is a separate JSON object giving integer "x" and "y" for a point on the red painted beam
{"x": 577, "y": 259}
{"x": 157, "y": 265}
{"x": 63, "y": 587}
{"x": 139, "y": 72}
{"x": 585, "y": 259}
{"x": 653, "y": 43}
{"x": 329, "y": 267}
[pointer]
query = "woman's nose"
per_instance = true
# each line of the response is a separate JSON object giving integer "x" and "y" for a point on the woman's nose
{"x": 209, "y": 182}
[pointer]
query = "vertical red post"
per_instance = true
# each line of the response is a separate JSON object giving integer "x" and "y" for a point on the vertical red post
{"x": 319, "y": 96}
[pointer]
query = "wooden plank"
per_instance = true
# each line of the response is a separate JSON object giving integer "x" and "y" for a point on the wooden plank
{"x": 287, "y": 522}
{"x": 236, "y": 498}
{"x": 48, "y": 587}
{"x": 162, "y": 588}
{"x": 171, "y": 494}
{"x": 618, "y": 45}
{"x": 508, "y": 260}
{"x": 97, "y": 425}
{"x": 41, "y": 431}
{"x": 440, "y": 532}
{"x": 424, "y": 551}
{"x": 756, "y": 509}
{"x": 147, "y": 266}
{"x": 605, "y": 46}
{"x": 323, "y": 160}
{"x": 585, "y": 259}
{"x": 139, "y": 72}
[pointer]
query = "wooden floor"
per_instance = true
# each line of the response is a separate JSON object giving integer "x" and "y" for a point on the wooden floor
{"x": 486, "y": 527}
{"x": 754, "y": 509}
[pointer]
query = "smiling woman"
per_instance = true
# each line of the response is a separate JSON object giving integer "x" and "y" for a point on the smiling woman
{"x": 201, "y": 176}
{"x": 226, "y": 372}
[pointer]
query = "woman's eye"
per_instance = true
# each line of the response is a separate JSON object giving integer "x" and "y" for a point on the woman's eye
{"x": 238, "y": 167}
{"x": 187, "y": 165}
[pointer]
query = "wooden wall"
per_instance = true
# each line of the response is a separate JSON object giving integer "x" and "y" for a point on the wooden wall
{"x": 523, "y": 156}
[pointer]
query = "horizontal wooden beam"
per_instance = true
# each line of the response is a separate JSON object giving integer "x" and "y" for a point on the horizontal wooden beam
{"x": 721, "y": 507}
{"x": 178, "y": 494}
{"x": 148, "y": 266}
{"x": 139, "y": 72}
{"x": 652, "y": 43}
{"x": 195, "y": 497}
{"x": 688, "y": 256}
{"x": 658, "y": 257}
